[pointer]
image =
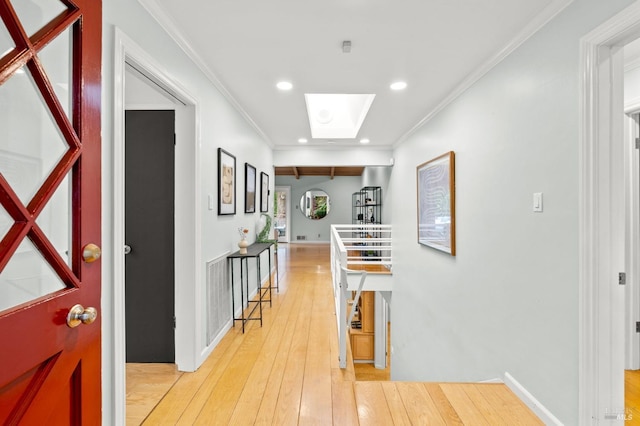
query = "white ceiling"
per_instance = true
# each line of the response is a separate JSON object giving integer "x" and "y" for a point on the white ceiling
{"x": 436, "y": 46}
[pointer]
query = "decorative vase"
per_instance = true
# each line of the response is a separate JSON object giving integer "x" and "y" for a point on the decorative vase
{"x": 243, "y": 244}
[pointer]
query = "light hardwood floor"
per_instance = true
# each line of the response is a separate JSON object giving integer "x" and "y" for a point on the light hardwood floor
{"x": 286, "y": 372}
{"x": 632, "y": 397}
{"x": 147, "y": 384}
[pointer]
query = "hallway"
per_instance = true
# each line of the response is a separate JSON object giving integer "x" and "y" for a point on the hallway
{"x": 286, "y": 372}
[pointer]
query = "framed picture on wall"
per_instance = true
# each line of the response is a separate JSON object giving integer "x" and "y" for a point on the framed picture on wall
{"x": 249, "y": 188}
{"x": 436, "y": 203}
{"x": 264, "y": 192}
{"x": 226, "y": 183}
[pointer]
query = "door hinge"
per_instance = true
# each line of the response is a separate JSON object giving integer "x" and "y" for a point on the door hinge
{"x": 637, "y": 326}
{"x": 174, "y": 140}
{"x": 637, "y": 143}
{"x": 622, "y": 278}
{"x": 174, "y": 323}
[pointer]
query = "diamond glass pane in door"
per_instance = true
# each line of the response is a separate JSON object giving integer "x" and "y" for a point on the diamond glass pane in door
{"x": 55, "y": 220}
{"x": 6, "y": 43}
{"x": 35, "y": 14}
{"x": 26, "y": 277}
{"x": 56, "y": 58}
{"x": 31, "y": 142}
{"x": 6, "y": 222}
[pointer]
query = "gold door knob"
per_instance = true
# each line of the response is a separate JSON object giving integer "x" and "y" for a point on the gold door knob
{"x": 91, "y": 253}
{"x": 77, "y": 314}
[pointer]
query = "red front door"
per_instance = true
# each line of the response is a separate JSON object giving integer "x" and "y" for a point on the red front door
{"x": 49, "y": 211}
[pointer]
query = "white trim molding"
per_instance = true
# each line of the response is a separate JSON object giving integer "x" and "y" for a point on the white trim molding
{"x": 632, "y": 106}
{"x": 188, "y": 216}
{"x": 601, "y": 219}
{"x": 287, "y": 190}
{"x": 530, "y": 401}
{"x": 632, "y": 241}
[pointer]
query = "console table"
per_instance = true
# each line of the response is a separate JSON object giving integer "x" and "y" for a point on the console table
{"x": 253, "y": 251}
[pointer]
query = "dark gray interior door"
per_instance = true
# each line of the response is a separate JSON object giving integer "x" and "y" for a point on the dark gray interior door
{"x": 149, "y": 232}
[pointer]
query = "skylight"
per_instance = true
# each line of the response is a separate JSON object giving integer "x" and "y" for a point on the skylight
{"x": 336, "y": 116}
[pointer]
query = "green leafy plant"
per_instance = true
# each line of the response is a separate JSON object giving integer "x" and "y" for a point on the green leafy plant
{"x": 263, "y": 236}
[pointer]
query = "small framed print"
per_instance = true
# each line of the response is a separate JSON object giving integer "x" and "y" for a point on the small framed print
{"x": 436, "y": 203}
{"x": 249, "y": 188}
{"x": 226, "y": 183}
{"x": 264, "y": 192}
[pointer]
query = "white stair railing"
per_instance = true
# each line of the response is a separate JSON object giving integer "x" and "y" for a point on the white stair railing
{"x": 354, "y": 250}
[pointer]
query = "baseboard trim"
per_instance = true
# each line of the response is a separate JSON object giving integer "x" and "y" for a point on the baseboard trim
{"x": 204, "y": 354}
{"x": 308, "y": 242}
{"x": 530, "y": 401}
{"x": 496, "y": 380}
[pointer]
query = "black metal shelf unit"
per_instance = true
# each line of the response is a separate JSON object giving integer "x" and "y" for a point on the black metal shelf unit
{"x": 366, "y": 209}
{"x": 366, "y": 206}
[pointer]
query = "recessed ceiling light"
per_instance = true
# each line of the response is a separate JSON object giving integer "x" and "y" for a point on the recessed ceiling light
{"x": 364, "y": 140}
{"x": 398, "y": 85}
{"x": 284, "y": 85}
{"x": 302, "y": 140}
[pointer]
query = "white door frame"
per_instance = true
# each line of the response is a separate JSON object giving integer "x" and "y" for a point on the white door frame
{"x": 602, "y": 219}
{"x": 187, "y": 218}
{"x": 287, "y": 190}
{"x": 632, "y": 241}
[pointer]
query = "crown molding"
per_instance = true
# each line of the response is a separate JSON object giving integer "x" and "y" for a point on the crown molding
{"x": 550, "y": 12}
{"x": 172, "y": 29}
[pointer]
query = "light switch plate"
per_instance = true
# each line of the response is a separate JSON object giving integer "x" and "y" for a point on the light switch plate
{"x": 210, "y": 201}
{"x": 537, "y": 202}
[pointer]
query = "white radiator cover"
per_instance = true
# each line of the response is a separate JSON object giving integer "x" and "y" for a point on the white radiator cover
{"x": 218, "y": 298}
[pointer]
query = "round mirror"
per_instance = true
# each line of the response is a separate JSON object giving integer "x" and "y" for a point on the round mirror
{"x": 315, "y": 204}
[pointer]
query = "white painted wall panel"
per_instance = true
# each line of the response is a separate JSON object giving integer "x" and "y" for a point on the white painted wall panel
{"x": 509, "y": 300}
{"x": 379, "y": 176}
{"x": 632, "y": 84}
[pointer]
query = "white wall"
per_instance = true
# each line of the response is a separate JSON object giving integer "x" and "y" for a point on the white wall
{"x": 219, "y": 125}
{"x": 141, "y": 93}
{"x": 380, "y": 176}
{"x": 339, "y": 189}
{"x": 632, "y": 290}
{"x": 632, "y": 76}
{"x": 508, "y": 302}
